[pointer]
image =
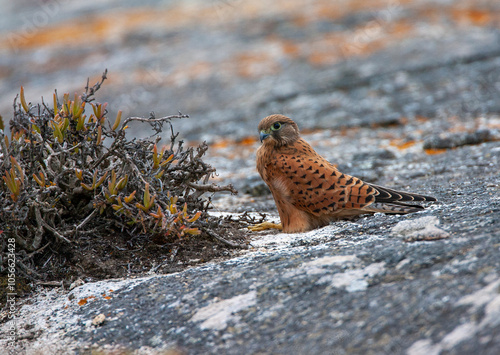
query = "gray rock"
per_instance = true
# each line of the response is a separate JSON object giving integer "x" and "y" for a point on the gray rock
{"x": 424, "y": 228}
{"x": 453, "y": 140}
{"x": 381, "y": 154}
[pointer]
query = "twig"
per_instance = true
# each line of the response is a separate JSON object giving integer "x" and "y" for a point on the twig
{"x": 213, "y": 188}
{"x": 90, "y": 91}
{"x": 5, "y": 151}
{"x": 38, "y": 250}
{"x": 27, "y": 270}
{"x": 90, "y": 231}
{"x": 143, "y": 119}
{"x": 84, "y": 222}
{"x": 104, "y": 156}
{"x": 136, "y": 170}
{"x": 50, "y": 228}
{"x": 224, "y": 241}
{"x": 50, "y": 283}
{"x": 37, "y": 241}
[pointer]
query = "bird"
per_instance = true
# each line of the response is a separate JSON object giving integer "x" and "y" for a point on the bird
{"x": 309, "y": 191}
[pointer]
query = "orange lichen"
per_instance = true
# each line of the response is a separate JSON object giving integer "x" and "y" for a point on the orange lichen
{"x": 472, "y": 16}
{"x": 290, "y": 48}
{"x": 421, "y": 119}
{"x": 186, "y": 73}
{"x": 223, "y": 143}
{"x": 84, "y": 301}
{"x": 329, "y": 10}
{"x": 70, "y": 33}
{"x": 364, "y": 40}
{"x": 435, "y": 151}
{"x": 248, "y": 140}
{"x": 300, "y": 20}
{"x": 254, "y": 64}
{"x": 400, "y": 144}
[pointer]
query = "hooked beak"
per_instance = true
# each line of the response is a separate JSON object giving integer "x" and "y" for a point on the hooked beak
{"x": 263, "y": 135}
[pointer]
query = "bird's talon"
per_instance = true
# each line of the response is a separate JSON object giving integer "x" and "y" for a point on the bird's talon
{"x": 264, "y": 226}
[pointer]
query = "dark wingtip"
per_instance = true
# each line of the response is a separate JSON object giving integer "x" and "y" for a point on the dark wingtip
{"x": 430, "y": 198}
{"x": 420, "y": 198}
{"x": 388, "y": 195}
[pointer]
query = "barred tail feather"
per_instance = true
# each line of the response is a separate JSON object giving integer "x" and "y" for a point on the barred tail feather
{"x": 389, "y": 196}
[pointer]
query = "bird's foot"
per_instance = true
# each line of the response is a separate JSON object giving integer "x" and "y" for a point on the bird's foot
{"x": 264, "y": 226}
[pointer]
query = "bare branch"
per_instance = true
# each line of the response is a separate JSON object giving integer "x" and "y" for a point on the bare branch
{"x": 86, "y": 220}
{"x": 225, "y": 241}
{"x": 49, "y": 227}
{"x": 149, "y": 120}
{"x": 213, "y": 188}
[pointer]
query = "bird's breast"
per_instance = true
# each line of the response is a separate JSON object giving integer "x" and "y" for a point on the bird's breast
{"x": 279, "y": 187}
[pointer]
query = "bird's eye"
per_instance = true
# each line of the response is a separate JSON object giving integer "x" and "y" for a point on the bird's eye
{"x": 276, "y": 126}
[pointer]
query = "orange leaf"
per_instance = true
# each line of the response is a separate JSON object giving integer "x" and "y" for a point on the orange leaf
{"x": 23, "y": 100}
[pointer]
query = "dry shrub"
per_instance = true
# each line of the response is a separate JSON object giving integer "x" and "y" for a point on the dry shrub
{"x": 69, "y": 171}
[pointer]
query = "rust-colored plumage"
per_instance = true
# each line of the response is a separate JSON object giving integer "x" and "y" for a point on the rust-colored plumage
{"x": 308, "y": 190}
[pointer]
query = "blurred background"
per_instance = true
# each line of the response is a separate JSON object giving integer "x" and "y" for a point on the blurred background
{"x": 228, "y": 63}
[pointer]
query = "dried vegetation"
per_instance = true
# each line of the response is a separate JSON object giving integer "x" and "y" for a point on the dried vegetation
{"x": 76, "y": 192}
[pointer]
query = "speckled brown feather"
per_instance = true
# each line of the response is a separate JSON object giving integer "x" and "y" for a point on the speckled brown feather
{"x": 309, "y": 191}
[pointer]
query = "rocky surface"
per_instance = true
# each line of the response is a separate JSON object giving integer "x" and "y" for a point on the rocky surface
{"x": 426, "y": 283}
{"x": 403, "y": 94}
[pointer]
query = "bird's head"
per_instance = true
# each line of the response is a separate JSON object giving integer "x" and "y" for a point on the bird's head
{"x": 278, "y": 130}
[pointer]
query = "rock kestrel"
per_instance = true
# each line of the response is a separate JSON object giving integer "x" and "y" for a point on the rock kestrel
{"x": 308, "y": 190}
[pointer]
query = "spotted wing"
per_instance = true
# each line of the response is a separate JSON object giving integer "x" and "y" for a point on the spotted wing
{"x": 316, "y": 186}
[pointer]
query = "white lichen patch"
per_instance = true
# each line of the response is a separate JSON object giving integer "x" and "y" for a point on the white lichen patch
{"x": 353, "y": 280}
{"x": 424, "y": 228}
{"x": 217, "y": 314}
